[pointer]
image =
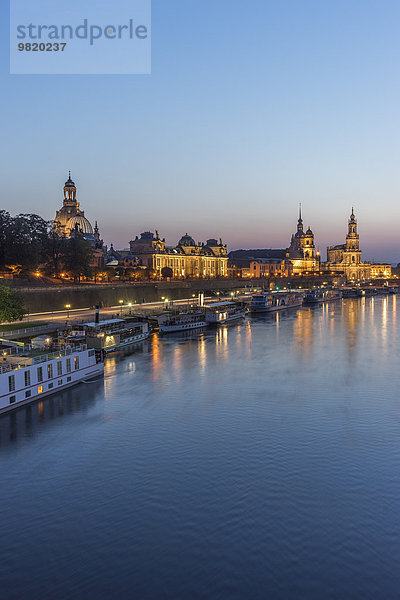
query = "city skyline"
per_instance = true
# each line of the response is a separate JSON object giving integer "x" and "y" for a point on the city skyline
{"x": 246, "y": 114}
{"x": 206, "y": 234}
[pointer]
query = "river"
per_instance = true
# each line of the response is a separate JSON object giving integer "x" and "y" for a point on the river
{"x": 252, "y": 461}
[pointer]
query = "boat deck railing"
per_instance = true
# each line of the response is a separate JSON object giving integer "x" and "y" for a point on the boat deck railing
{"x": 30, "y": 358}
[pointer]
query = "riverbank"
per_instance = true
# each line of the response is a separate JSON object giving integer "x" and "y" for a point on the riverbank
{"x": 53, "y": 298}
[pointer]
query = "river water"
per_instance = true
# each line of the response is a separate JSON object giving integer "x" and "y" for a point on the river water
{"x": 253, "y": 461}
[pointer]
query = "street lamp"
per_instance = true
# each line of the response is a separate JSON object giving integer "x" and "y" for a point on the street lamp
{"x": 67, "y": 306}
{"x": 121, "y": 301}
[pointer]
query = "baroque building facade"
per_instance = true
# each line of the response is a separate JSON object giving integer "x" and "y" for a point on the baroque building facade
{"x": 345, "y": 259}
{"x": 186, "y": 259}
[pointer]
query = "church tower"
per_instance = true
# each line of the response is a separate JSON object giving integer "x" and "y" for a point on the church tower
{"x": 69, "y": 209}
{"x": 300, "y": 229}
{"x": 352, "y": 252}
{"x": 302, "y": 251}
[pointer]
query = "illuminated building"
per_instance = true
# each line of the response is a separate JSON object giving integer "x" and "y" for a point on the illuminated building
{"x": 301, "y": 251}
{"x": 345, "y": 259}
{"x": 302, "y": 255}
{"x": 186, "y": 259}
{"x": 70, "y": 222}
{"x": 267, "y": 267}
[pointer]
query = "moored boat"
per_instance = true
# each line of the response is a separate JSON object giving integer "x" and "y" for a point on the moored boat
{"x": 170, "y": 322}
{"x": 318, "y": 296}
{"x": 26, "y": 375}
{"x": 261, "y": 303}
{"x": 112, "y": 334}
{"x": 353, "y": 293}
{"x": 220, "y": 313}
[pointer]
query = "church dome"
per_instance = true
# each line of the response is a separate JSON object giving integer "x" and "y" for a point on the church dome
{"x": 186, "y": 240}
{"x": 83, "y": 225}
{"x": 309, "y": 232}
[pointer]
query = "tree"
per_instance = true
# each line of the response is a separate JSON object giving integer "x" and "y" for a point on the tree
{"x": 167, "y": 272}
{"x": 27, "y": 241}
{"x": 109, "y": 272}
{"x": 11, "y": 304}
{"x": 55, "y": 249}
{"x": 149, "y": 273}
{"x": 5, "y": 221}
{"x": 77, "y": 257}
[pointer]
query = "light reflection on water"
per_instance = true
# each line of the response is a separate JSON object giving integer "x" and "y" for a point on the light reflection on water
{"x": 257, "y": 460}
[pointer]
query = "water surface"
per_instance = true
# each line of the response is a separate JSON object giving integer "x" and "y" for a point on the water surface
{"x": 259, "y": 460}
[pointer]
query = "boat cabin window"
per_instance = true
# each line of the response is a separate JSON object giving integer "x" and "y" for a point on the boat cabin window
{"x": 59, "y": 367}
{"x": 40, "y": 374}
{"x": 49, "y": 371}
{"x": 68, "y": 365}
{"x": 76, "y": 361}
{"x": 11, "y": 383}
{"x": 27, "y": 378}
{"x": 12, "y": 399}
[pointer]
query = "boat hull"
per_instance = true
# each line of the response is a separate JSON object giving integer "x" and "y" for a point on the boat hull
{"x": 127, "y": 342}
{"x": 269, "y": 309}
{"x": 227, "y": 319}
{"x": 183, "y": 327}
{"x": 88, "y": 373}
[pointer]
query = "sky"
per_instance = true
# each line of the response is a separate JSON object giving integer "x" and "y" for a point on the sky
{"x": 251, "y": 108}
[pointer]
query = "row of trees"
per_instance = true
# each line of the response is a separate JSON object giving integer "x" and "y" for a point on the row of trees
{"x": 28, "y": 242}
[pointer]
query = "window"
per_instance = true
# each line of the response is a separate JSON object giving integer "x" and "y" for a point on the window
{"x": 91, "y": 352}
{"x": 50, "y": 386}
{"x": 68, "y": 378}
{"x": 40, "y": 389}
{"x": 40, "y": 374}
{"x": 11, "y": 383}
{"x": 59, "y": 368}
{"x": 28, "y": 393}
{"x": 12, "y": 399}
{"x": 68, "y": 365}
{"x": 76, "y": 361}
{"x": 59, "y": 382}
{"x": 27, "y": 378}
{"x": 49, "y": 371}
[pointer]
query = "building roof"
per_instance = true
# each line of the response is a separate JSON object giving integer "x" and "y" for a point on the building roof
{"x": 258, "y": 253}
{"x": 186, "y": 240}
{"x": 268, "y": 260}
{"x": 82, "y": 224}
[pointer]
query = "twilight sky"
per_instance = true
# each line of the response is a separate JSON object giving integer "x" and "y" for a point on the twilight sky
{"x": 252, "y": 107}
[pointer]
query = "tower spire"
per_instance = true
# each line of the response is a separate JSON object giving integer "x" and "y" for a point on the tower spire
{"x": 300, "y": 219}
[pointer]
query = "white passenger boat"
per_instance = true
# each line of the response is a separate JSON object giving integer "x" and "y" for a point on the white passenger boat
{"x": 318, "y": 296}
{"x": 28, "y": 375}
{"x": 261, "y": 303}
{"x": 112, "y": 334}
{"x": 170, "y": 322}
{"x": 219, "y": 313}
